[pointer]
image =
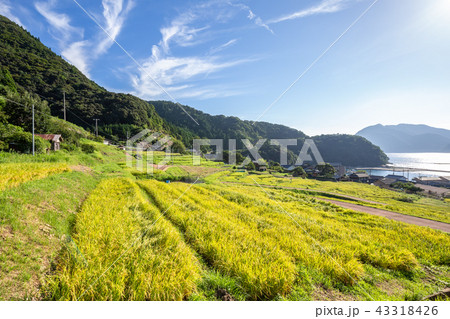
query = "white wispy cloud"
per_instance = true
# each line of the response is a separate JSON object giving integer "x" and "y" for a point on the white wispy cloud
{"x": 58, "y": 21}
{"x": 251, "y": 15}
{"x": 326, "y": 6}
{"x": 181, "y": 75}
{"x": 76, "y": 53}
{"x": 6, "y": 10}
{"x": 178, "y": 75}
{"x": 115, "y": 13}
{"x": 223, "y": 46}
{"x": 75, "y": 48}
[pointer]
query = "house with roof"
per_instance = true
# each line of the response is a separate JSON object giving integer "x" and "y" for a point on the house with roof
{"x": 359, "y": 177}
{"x": 54, "y": 139}
{"x": 433, "y": 181}
{"x": 385, "y": 182}
{"x": 374, "y": 178}
{"x": 340, "y": 170}
{"x": 260, "y": 165}
{"x": 398, "y": 178}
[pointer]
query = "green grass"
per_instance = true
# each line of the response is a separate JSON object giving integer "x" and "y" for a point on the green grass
{"x": 38, "y": 210}
{"x": 33, "y": 218}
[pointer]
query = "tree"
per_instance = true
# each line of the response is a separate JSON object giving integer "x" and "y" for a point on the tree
{"x": 178, "y": 147}
{"x": 326, "y": 170}
{"x": 18, "y": 111}
{"x": 250, "y": 166}
{"x": 408, "y": 187}
{"x": 7, "y": 80}
{"x": 239, "y": 158}
{"x": 226, "y": 157}
{"x": 299, "y": 172}
{"x": 20, "y": 141}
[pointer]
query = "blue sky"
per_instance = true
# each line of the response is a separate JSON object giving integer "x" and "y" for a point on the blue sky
{"x": 236, "y": 57}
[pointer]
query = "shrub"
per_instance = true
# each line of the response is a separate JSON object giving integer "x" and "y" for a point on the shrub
{"x": 299, "y": 172}
{"x": 16, "y": 139}
{"x": 250, "y": 166}
{"x": 88, "y": 148}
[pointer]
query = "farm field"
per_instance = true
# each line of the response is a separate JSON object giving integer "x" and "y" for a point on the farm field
{"x": 253, "y": 245}
{"x": 389, "y": 200}
{"x": 91, "y": 228}
{"x": 37, "y": 214}
{"x": 12, "y": 175}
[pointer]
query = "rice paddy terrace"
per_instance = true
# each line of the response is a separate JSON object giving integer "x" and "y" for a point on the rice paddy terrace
{"x": 106, "y": 232}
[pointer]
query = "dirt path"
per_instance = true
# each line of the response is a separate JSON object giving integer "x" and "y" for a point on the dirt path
{"x": 313, "y": 191}
{"x": 391, "y": 215}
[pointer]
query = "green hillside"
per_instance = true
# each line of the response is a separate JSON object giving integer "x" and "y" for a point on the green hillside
{"x": 37, "y": 69}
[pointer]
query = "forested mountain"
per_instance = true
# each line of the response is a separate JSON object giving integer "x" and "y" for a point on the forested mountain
{"x": 408, "y": 138}
{"x": 221, "y": 126}
{"x": 350, "y": 150}
{"x": 35, "y": 69}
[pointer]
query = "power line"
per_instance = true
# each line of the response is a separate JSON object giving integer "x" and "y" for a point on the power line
{"x": 27, "y": 107}
{"x": 315, "y": 62}
{"x": 74, "y": 114}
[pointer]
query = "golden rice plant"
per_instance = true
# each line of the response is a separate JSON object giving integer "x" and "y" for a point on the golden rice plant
{"x": 345, "y": 235}
{"x": 14, "y": 174}
{"x": 225, "y": 243}
{"x": 125, "y": 251}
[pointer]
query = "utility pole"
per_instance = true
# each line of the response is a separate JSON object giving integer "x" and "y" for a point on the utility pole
{"x": 64, "y": 94}
{"x": 32, "y": 129}
{"x": 96, "y": 126}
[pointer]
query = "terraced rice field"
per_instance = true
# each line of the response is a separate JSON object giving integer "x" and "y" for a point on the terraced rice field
{"x": 12, "y": 174}
{"x": 149, "y": 240}
{"x": 390, "y": 200}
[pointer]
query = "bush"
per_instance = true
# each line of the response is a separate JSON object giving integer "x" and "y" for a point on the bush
{"x": 69, "y": 147}
{"x": 408, "y": 187}
{"x": 406, "y": 199}
{"x": 88, "y": 148}
{"x": 16, "y": 139}
{"x": 178, "y": 147}
{"x": 98, "y": 139}
{"x": 299, "y": 172}
{"x": 250, "y": 166}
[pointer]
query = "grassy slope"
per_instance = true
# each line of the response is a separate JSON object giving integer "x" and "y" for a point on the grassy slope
{"x": 252, "y": 249}
{"x": 38, "y": 214}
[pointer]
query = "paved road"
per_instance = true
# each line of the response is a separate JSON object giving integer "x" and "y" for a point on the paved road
{"x": 391, "y": 215}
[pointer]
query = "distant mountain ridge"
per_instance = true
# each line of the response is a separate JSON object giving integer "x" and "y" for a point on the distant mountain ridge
{"x": 408, "y": 138}
{"x": 350, "y": 150}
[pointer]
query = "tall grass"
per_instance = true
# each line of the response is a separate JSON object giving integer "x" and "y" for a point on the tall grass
{"x": 121, "y": 253}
